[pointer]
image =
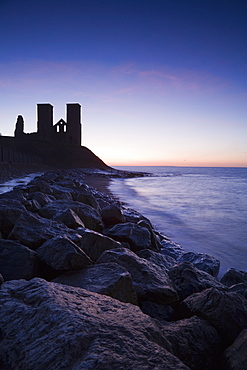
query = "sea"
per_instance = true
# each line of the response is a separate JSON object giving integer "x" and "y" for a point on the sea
{"x": 203, "y": 209}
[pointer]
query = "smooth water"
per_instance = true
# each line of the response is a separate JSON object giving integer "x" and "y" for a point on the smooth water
{"x": 202, "y": 209}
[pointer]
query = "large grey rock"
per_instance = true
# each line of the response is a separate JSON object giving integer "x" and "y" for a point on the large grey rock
{"x": 10, "y": 211}
{"x": 188, "y": 279}
{"x": 240, "y": 288}
{"x": 17, "y": 261}
{"x": 225, "y": 311}
{"x": 61, "y": 253}
{"x": 43, "y": 198}
{"x": 53, "y": 326}
{"x": 112, "y": 214}
{"x": 234, "y": 276}
{"x": 32, "y": 230}
{"x": 165, "y": 262}
{"x": 94, "y": 244}
{"x": 89, "y": 216}
{"x": 83, "y": 195}
{"x": 171, "y": 249}
{"x": 69, "y": 218}
{"x": 202, "y": 261}
{"x": 235, "y": 356}
{"x": 195, "y": 342}
{"x": 138, "y": 237}
{"x": 151, "y": 283}
{"x": 106, "y": 278}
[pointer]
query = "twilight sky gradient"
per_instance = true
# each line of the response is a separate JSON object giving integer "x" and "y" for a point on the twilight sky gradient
{"x": 161, "y": 82}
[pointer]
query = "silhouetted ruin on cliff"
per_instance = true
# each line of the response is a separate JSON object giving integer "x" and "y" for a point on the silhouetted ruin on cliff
{"x": 56, "y": 144}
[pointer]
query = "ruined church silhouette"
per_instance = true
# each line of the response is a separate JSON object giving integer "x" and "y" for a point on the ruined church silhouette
{"x": 57, "y": 145}
{"x": 61, "y": 133}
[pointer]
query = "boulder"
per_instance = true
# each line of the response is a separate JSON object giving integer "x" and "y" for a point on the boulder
{"x": 62, "y": 193}
{"x": 110, "y": 279}
{"x": 69, "y": 218}
{"x": 163, "y": 261}
{"x": 43, "y": 198}
{"x": 32, "y": 205}
{"x": 160, "y": 312}
{"x": 17, "y": 261}
{"x": 171, "y": 249}
{"x": 235, "y": 356}
{"x": 234, "y": 276}
{"x": 94, "y": 244}
{"x": 240, "y": 288}
{"x": 187, "y": 280}
{"x": 151, "y": 283}
{"x": 195, "y": 342}
{"x": 10, "y": 211}
{"x": 53, "y": 326}
{"x": 202, "y": 261}
{"x": 112, "y": 214}
{"x": 61, "y": 253}
{"x": 32, "y": 230}
{"x": 133, "y": 216}
{"x": 83, "y": 195}
{"x": 88, "y": 215}
{"x": 225, "y": 311}
{"x": 138, "y": 237}
{"x": 38, "y": 184}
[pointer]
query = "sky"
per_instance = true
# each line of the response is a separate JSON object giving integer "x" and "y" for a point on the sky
{"x": 160, "y": 82}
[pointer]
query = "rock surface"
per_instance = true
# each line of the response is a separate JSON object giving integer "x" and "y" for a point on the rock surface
{"x": 106, "y": 278}
{"x": 235, "y": 356}
{"x": 188, "y": 279}
{"x": 61, "y": 253}
{"x": 202, "y": 261}
{"x": 53, "y": 326}
{"x": 151, "y": 283}
{"x": 17, "y": 261}
{"x": 225, "y": 311}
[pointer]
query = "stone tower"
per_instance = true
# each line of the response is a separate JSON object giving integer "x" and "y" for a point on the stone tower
{"x": 74, "y": 124}
{"x": 45, "y": 121}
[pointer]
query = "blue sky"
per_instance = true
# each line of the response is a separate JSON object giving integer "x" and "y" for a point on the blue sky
{"x": 160, "y": 82}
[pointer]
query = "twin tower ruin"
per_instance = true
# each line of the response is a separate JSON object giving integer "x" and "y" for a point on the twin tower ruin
{"x": 63, "y": 132}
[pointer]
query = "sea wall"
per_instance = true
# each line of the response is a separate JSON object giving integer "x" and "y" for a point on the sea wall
{"x": 89, "y": 283}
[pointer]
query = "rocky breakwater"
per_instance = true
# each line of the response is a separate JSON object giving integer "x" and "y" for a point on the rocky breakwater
{"x": 89, "y": 284}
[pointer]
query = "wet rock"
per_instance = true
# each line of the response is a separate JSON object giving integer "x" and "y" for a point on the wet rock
{"x": 234, "y": 276}
{"x": 17, "y": 261}
{"x": 160, "y": 312}
{"x": 69, "y": 218}
{"x": 112, "y": 214}
{"x": 133, "y": 216}
{"x": 225, "y": 311}
{"x": 187, "y": 280}
{"x": 33, "y": 205}
{"x": 110, "y": 279}
{"x": 32, "y": 230}
{"x": 10, "y": 211}
{"x": 43, "y": 198}
{"x": 88, "y": 215}
{"x": 83, "y": 195}
{"x": 138, "y": 237}
{"x": 202, "y": 261}
{"x": 94, "y": 244}
{"x": 163, "y": 261}
{"x": 235, "y": 356}
{"x": 151, "y": 283}
{"x": 61, "y": 253}
{"x": 195, "y": 342}
{"x": 171, "y": 249}
{"x": 155, "y": 243}
{"x": 38, "y": 184}
{"x": 240, "y": 288}
{"x": 53, "y": 326}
